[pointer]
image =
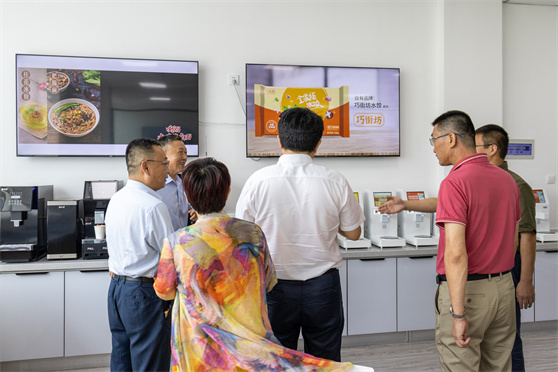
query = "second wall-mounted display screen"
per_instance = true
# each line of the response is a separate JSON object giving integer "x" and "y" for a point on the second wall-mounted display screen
{"x": 359, "y": 106}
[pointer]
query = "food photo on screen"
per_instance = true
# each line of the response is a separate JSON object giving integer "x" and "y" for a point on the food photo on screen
{"x": 359, "y": 106}
{"x": 59, "y": 106}
{"x": 89, "y": 106}
{"x": 74, "y": 102}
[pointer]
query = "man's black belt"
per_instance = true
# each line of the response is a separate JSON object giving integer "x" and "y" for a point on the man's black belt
{"x": 141, "y": 279}
{"x": 442, "y": 278}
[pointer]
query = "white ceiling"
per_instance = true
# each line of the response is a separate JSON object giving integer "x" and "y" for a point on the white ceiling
{"x": 532, "y": 2}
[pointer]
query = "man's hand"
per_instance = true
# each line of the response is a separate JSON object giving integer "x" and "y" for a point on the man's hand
{"x": 525, "y": 294}
{"x": 459, "y": 332}
{"x": 393, "y": 205}
{"x": 193, "y": 215}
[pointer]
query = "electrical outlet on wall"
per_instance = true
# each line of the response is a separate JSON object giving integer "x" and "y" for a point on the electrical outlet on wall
{"x": 234, "y": 79}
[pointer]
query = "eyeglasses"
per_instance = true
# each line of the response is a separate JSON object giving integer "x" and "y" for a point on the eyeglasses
{"x": 488, "y": 144}
{"x": 165, "y": 163}
{"x": 431, "y": 139}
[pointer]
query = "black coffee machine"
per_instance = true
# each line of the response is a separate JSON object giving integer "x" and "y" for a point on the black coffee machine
{"x": 23, "y": 222}
{"x": 93, "y": 206}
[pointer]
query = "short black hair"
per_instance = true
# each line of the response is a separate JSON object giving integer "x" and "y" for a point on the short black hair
{"x": 493, "y": 134}
{"x": 168, "y": 139}
{"x": 457, "y": 122}
{"x": 300, "y": 129}
{"x": 206, "y": 183}
{"x": 137, "y": 150}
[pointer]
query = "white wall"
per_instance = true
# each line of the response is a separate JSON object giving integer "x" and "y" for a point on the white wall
{"x": 473, "y": 59}
{"x": 530, "y": 91}
{"x": 422, "y": 38}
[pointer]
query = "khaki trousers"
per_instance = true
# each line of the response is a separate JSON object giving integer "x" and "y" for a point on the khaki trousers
{"x": 490, "y": 309}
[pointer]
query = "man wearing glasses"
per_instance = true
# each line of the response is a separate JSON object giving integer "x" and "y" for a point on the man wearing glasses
{"x": 137, "y": 222}
{"x": 477, "y": 210}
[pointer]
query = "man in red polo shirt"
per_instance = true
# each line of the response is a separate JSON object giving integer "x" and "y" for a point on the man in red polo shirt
{"x": 478, "y": 211}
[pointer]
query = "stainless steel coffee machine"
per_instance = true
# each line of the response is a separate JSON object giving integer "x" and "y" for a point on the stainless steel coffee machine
{"x": 23, "y": 222}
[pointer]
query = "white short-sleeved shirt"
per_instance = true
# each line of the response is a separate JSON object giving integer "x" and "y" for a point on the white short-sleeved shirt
{"x": 137, "y": 223}
{"x": 300, "y": 206}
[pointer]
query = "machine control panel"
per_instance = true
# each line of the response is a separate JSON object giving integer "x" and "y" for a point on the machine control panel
{"x": 14, "y": 199}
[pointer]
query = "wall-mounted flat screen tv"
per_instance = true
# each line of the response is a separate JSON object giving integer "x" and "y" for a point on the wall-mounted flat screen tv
{"x": 90, "y": 106}
{"x": 359, "y": 106}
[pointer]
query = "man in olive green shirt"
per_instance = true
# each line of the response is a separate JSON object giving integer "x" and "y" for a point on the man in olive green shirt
{"x": 493, "y": 140}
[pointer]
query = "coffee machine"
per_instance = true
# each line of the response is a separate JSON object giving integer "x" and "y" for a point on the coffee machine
{"x": 93, "y": 206}
{"x": 23, "y": 222}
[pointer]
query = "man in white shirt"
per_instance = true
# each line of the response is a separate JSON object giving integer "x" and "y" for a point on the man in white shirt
{"x": 173, "y": 193}
{"x": 301, "y": 207}
{"x": 137, "y": 222}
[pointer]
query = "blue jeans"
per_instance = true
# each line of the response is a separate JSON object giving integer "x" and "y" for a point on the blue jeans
{"x": 316, "y": 307}
{"x": 140, "y": 331}
{"x": 518, "y": 363}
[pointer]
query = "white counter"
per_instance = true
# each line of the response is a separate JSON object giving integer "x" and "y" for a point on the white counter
{"x": 347, "y": 254}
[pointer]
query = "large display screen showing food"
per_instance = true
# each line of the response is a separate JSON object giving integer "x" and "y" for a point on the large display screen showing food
{"x": 87, "y": 106}
{"x": 359, "y": 106}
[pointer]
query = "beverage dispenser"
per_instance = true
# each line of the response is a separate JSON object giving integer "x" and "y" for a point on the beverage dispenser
{"x": 415, "y": 227}
{"x": 362, "y": 242}
{"x": 380, "y": 228}
{"x": 23, "y": 222}
{"x": 542, "y": 215}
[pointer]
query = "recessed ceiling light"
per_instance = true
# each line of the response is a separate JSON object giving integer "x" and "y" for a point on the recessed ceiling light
{"x": 146, "y": 84}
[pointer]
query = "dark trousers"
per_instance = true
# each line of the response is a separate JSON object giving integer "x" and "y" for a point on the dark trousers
{"x": 518, "y": 363}
{"x": 140, "y": 331}
{"x": 316, "y": 307}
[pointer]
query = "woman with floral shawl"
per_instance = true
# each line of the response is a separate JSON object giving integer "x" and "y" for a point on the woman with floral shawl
{"x": 218, "y": 272}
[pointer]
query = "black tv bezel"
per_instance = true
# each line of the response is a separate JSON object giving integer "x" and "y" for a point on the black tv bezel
{"x": 326, "y": 66}
{"x": 106, "y": 58}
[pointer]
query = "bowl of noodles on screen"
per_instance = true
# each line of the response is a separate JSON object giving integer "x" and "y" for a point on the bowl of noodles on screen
{"x": 73, "y": 117}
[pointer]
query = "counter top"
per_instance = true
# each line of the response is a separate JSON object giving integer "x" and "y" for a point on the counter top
{"x": 347, "y": 254}
{"x": 411, "y": 251}
{"x": 54, "y": 265}
{"x": 375, "y": 252}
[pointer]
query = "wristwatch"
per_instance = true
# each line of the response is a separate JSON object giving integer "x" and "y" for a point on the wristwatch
{"x": 457, "y": 316}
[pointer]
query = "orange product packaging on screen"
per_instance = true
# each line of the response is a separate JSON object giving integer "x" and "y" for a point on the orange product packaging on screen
{"x": 332, "y": 104}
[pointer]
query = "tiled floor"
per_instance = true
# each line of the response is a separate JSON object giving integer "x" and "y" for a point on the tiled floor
{"x": 540, "y": 348}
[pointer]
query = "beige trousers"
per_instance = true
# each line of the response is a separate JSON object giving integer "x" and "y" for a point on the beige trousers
{"x": 490, "y": 309}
